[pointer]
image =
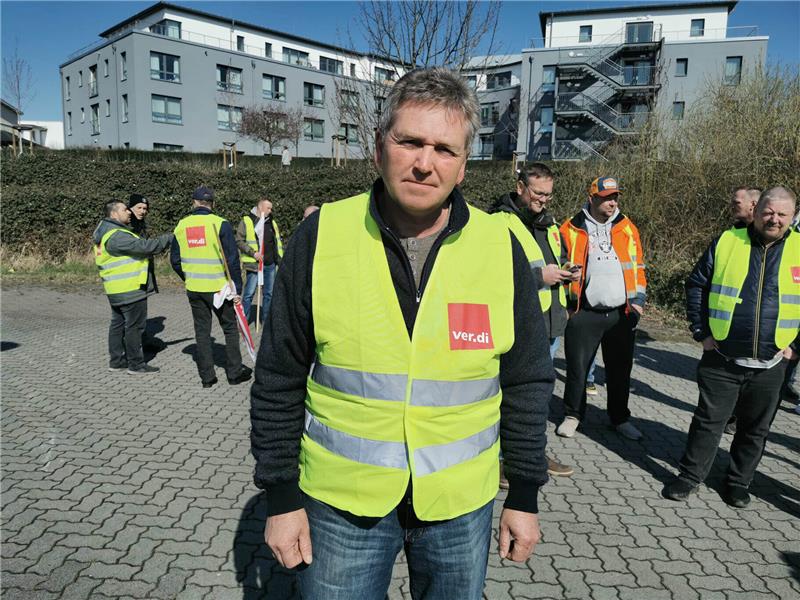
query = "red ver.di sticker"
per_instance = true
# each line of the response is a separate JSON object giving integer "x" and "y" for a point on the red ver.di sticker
{"x": 796, "y": 274}
{"x": 196, "y": 236}
{"x": 469, "y": 327}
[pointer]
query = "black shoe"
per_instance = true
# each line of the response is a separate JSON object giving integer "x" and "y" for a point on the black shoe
{"x": 736, "y": 496}
{"x": 679, "y": 489}
{"x": 210, "y": 382}
{"x": 143, "y": 370}
{"x": 118, "y": 369}
{"x": 245, "y": 374}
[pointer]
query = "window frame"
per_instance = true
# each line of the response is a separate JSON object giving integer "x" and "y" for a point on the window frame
{"x": 493, "y": 115}
{"x": 337, "y": 64}
{"x": 296, "y": 57}
{"x": 314, "y": 87}
{"x": 240, "y": 47}
{"x": 125, "y": 108}
{"x": 166, "y": 120}
{"x": 231, "y": 122}
{"x": 350, "y": 133}
{"x": 281, "y": 97}
{"x": 226, "y": 85}
{"x": 382, "y": 74}
{"x": 308, "y": 121}
{"x": 678, "y": 63}
{"x": 738, "y": 75}
{"x": 166, "y": 27}
{"x": 123, "y": 59}
{"x": 67, "y": 91}
{"x": 585, "y": 34}
{"x": 494, "y": 81}
{"x": 94, "y": 119}
{"x": 694, "y": 32}
{"x": 163, "y": 69}
{"x": 678, "y": 115}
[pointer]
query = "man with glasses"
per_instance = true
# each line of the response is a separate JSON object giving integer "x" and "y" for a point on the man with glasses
{"x": 525, "y": 213}
{"x": 606, "y": 302}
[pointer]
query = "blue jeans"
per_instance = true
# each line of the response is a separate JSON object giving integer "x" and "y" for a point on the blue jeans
{"x": 354, "y": 556}
{"x": 250, "y": 287}
{"x": 554, "y": 344}
{"x": 590, "y": 376}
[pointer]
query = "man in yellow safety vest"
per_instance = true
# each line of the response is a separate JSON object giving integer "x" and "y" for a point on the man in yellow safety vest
{"x": 412, "y": 350}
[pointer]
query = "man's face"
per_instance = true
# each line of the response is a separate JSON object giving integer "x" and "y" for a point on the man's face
{"x": 536, "y": 195}
{"x": 605, "y": 205}
{"x": 423, "y": 156}
{"x": 742, "y": 207}
{"x": 265, "y": 207}
{"x": 122, "y": 214}
{"x": 773, "y": 219}
{"x": 139, "y": 210}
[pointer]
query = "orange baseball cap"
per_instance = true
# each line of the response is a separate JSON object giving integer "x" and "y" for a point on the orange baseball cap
{"x": 604, "y": 186}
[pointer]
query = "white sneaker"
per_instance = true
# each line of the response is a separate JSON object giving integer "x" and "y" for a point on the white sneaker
{"x": 627, "y": 430}
{"x": 568, "y": 427}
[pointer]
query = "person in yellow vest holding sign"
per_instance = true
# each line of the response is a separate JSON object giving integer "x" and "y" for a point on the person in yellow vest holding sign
{"x": 525, "y": 213}
{"x": 203, "y": 243}
{"x": 413, "y": 350}
{"x": 123, "y": 259}
{"x": 260, "y": 246}
{"x": 743, "y": 304}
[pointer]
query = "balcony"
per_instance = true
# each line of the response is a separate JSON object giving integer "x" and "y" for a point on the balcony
{"x": 621, "y": 37}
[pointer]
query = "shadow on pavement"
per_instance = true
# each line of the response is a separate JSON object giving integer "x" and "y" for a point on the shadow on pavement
{"x": 793, "y": 560}
{"x": 665, "y": 362}
{"x": 258, "y": 574}
{"x": 217, "y": 350}
{"x": 8, "y": 346}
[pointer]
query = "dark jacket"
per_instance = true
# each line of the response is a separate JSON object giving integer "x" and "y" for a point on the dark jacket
{"x": 278, "y": 394}
{"x": 752, "y": 332}
{"x": 270, "y": 244}
{"x": 139, "y": 227}
{"x": 124, "y": 244}
{"x": 228, "y": 241}
{"x": 556, "y": 316}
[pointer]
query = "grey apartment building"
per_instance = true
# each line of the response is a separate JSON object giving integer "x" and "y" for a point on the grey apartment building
{"x": 174, "y": 78}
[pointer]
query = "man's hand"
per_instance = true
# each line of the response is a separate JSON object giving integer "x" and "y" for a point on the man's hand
{"x": 289, "y": 538}
{"x": 638, "y": 309}
{"x": 258, "y": 256}
{"x": 790, "y": 354}
{"x": 552, "y": 275}
{"x": 709, "y": 344}
{"x": 519, "y": 533}
{"x": 237, "y": 299}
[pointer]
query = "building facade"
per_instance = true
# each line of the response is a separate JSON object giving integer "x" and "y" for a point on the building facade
{"x": 600, "y": 74}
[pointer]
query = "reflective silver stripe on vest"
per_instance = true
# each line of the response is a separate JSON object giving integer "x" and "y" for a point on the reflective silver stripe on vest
{"x": 534, "y": 264}
{"x": 790, "y": 298}
{"x": 788, "y": 323}
{"x": 122, "y": 275}
{"x": 201, "y": 261}
{"x": 190, "y": 275}
{"x": 362, "y": 450}
{"x": 722, "y": 315}
{"x": 627, "y": 265}
{"x": 376, "y": 386}
{"x": 430, "y": 392}
{"x": 724, "y": 290}
{"x": 435, "y": 458}
{"x": 118, "y": 263}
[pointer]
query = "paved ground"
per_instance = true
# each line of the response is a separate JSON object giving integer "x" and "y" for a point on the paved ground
{"x": 117, "y": 486}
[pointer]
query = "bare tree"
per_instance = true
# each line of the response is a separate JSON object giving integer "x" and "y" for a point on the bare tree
{"x": 265, "y": 123}
{"x": 17, "y": 80}
{"x": 294, "y": 126}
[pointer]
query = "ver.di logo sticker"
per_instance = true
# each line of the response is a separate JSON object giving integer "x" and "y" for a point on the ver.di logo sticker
{"x": 469, "y": 326}
{"x": 796, "y": 274}
{"x": 196, "y": 236}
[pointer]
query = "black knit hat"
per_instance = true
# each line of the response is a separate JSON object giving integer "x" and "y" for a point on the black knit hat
{"x": 137, "y": 199}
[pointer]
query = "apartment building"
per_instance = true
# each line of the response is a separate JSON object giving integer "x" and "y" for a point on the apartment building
{"x": 175, "y": 78}
{"x": 598, "y": 74}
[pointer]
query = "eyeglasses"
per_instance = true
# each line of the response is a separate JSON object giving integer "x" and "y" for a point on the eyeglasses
{"x": 538, "y": 194}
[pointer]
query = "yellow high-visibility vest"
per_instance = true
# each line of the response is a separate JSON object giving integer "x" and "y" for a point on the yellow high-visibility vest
{"x": 120, "y": 274}
{"x": 201, "y": 256}
{"x": 382, "y": 408}
{"x": 731, "y": 264}
{"x": 252, "y": 240}
{"x": 534, "y": 253}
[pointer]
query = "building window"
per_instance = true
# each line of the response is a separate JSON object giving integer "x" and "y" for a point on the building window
{"x": 352, "y": 69}
{"x": 379, "y": 102}
{"x": 487, "y": 145}
{"x": 124, "y": 108}
{"x": 681, "y": 67}
{"x": 267, "y": 50}
{"x": 548, "y": 78}
{"x": 314, "y": 130}
{"x": 733, "y": 70}
{"x": 585, "y": 33}
{"x": 382, "y": 74}
{"x": 108, "y": 108}
{"x": 166, "y": 109}
{"x": 167, "y": 27}
{"x": 165, "y": 67}
{"x": 546, "y": 118}
{"x": 348, "y": 99}
{"x": 80, "y": 78}
{"x": 83, "y": 115}
{"x": 698, "y": 28}
{"x": 295, "y": 57}
{"x": 273, "y": 88}
{"x": 105, "y": 67}
{"x": 498, "y": 80}
{"x": 69, "y": 123}
{"x": 350, "y": 133}
{"x": 229, "y": 79}
{"x": 66, "y": 88}
{"x": 331, "y": 65}
{"x": 240, "y": 43}
{"x": 472, "y": 81}
{"x": 313, "y": 95}
{"x": 490, "y": 114}
{"x": 92, "y": 81}
{"x": 677, "y": 110}
{"x": 167, "y": 147}
{"x": 95, "y": 119}
{"x": 123, "y": 64}
{"x": 228, "y": 117}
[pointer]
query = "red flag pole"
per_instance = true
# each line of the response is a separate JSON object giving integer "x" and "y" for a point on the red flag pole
{"x": 261, "y": 276}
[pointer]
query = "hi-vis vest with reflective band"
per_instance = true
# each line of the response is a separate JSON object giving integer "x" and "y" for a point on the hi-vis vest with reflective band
{"x": 252, "y": 240}
{"x": 201, "y": 256}
{"x": 534, "y": 253}
{"x": 120, "y": 274}
{"x": 731, "y": 264}
{"x": 381, "y": 408}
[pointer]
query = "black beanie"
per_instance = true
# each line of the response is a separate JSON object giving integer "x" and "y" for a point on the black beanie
{"x": 137, "y": 199}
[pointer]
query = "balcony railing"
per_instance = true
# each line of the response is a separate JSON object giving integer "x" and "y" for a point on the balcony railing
{"x": 227, "y": 86}
{"x": 620, "y": 122}
{"x": 620, "y": 37}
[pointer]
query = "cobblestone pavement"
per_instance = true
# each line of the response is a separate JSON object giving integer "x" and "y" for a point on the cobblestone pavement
{"x": 121, "y": 486}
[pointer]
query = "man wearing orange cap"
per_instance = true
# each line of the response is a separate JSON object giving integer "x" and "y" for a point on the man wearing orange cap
{"x": 606, "y": 303}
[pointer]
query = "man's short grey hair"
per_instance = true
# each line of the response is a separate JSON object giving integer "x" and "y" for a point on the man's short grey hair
{"x": 110, "y": 207}
{"x": 776, "y": 193}
{"x": 436, "y": 86}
